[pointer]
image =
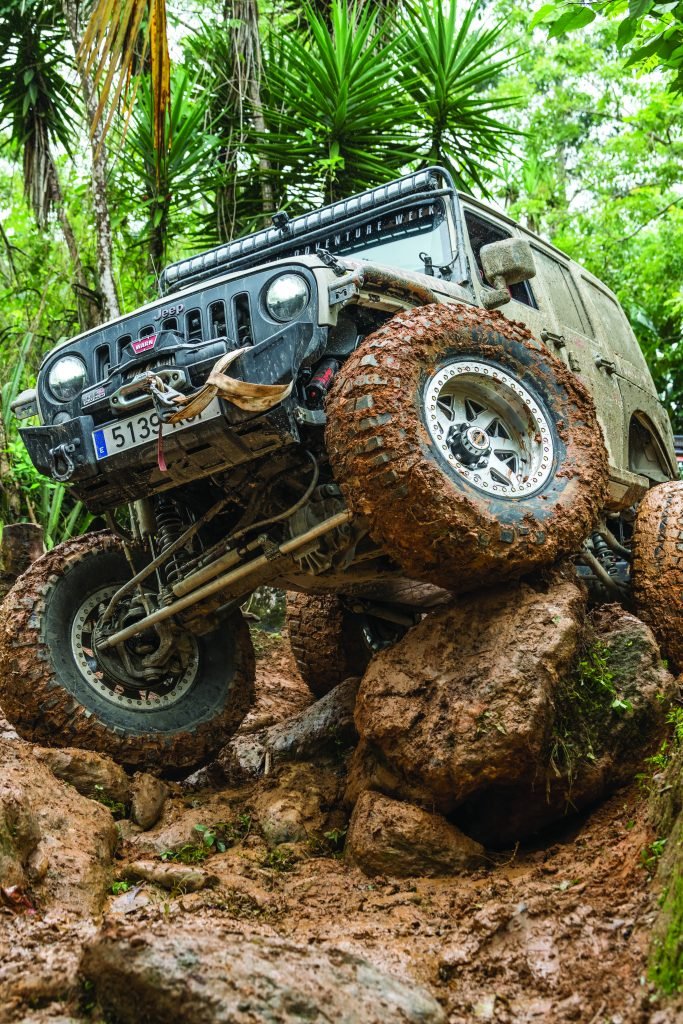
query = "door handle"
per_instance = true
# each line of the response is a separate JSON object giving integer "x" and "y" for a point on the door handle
{"x": 607, "y": 365}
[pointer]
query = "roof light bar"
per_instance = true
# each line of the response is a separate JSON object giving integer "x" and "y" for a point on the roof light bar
{"x": 251, "y": 249}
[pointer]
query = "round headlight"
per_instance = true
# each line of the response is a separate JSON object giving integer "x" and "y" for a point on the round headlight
{"x": 67, "y": 378}
{"x": 287, "y": 296}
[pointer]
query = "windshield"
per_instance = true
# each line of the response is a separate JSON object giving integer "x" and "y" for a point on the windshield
{"x": 414, "y": 238}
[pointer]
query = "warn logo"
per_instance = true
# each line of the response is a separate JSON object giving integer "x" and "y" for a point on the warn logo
{"x": 144, "y": 344}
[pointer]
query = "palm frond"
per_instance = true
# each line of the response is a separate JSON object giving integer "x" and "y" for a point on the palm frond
{"x": 118, "y": 40}
{"x": 453, "y": 67}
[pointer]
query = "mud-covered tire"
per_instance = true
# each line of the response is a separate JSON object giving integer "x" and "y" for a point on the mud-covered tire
{"x": 432, "y": 520}
{"x": 49, "y": 700}
{"x": 657, "y": 567}
{"x": 326, "y": 641}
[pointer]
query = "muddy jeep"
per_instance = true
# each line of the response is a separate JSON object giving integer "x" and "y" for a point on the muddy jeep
{"x": 336, "y": 407}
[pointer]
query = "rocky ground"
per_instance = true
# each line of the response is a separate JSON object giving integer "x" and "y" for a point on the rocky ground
{"x": 480, "y": 852}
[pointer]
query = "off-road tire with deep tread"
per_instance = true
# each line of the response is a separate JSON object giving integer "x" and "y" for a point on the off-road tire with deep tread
{"x": 47, "y": 699}
{"x": 326, "y": 641}
{"x": 428, "y": 518}
{"x": 657, "y": 567}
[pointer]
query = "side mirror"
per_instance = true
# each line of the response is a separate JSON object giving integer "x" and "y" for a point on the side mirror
{"x": 507, "y": 262}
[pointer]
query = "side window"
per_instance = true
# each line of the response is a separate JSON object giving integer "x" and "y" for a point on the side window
{"x": 564, "y": 294}
{"x": 615, "y": 324}
{"x": 482, "y": 232}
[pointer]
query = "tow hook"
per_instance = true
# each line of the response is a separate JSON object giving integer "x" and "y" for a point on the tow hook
{"x": 63, "y": 453}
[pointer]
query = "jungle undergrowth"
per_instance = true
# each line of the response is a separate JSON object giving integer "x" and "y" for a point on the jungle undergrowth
{"x": 211, "y": 839}
{"x": 584, "y": 707}
{"x": 117, "y": 807}
{"x": 666, "y": 960}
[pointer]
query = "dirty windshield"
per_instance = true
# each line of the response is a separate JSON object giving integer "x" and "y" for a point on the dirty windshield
{"x": 413, "y": 238}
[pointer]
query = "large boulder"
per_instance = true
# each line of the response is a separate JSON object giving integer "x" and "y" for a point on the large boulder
{"x": 466, "y": 699}
{"x": 507, "y": 710}
{"x": 195, "y": 974}
{"x": 389, "y": 837}
{"x": 610, "y": 713}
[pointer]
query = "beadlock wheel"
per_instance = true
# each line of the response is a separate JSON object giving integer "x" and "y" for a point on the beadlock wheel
{"x": 57, "y": 689}
{"x": 489, "y": 428}
{"x": 472, "y": 452}
{"x": 113, "y": 685}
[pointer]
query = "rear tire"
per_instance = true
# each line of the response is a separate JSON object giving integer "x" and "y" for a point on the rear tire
{"x": 657, "y": 568}
{"x": 326, "y": 641}
{"x": 473, "y": 453}
{"x": 56, "y": 691}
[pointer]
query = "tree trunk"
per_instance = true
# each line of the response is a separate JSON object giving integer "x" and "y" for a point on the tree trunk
{"x": 247, "y": 71}
{"x": 110, "y": 301}
{"x": 86, "y": 299}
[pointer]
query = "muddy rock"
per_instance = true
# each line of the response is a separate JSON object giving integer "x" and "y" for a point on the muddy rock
{"x": 148, "y": 796}
{"x": 290, "y": 810}
{"x": 94, "y": 775}
{"x": 55, "y": 844}
{"x": 388, "y": 837}
{"x": 610, "y": 714}
{"x": 227, "y": 977}
{"x": 321, "y": 730}
{"x": 467, "y": 698}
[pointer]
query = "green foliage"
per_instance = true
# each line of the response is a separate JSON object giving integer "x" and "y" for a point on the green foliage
{"x": 164, "y": 183}
{"x": 599, "y": 172}
{"x": 336, "y": 122}
{"x": 450, "y": 66}
{"x": 117, "y": 807}
{"x": 279, "y": 859}
{"x": 329, "y": 844}
{"x": 666, "y": 961}
{"x": 669, "y": 747}
{"x": 585, "y": 706}
{"x": 211, "y": 839}
{"x": 118, "y": 888}
{"x": 652, "y": 30}
{"x": 649, "y": 857}
{"x": 36, "y": 98}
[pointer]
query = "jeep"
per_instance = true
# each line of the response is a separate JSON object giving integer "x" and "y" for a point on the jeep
{"x": 375, "y": 406}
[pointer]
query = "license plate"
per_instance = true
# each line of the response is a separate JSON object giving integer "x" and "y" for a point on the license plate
{"x": 141, "y": 429}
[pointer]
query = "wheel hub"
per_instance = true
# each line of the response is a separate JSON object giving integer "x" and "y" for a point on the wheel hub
{"x": 489, "y": 428}
{"x": 470, "y": 445}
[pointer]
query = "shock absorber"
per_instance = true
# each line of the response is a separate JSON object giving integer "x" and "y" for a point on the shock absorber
{"x": 604, "y": 554}
{"x": 169, "y": 527}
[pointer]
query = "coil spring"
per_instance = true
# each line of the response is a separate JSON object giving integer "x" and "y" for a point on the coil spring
{"x": 169, "y": 527}
{"x": 604, "y": 554}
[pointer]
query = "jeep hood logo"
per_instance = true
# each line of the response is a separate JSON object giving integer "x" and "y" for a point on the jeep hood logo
{"x": 144, "y": 344}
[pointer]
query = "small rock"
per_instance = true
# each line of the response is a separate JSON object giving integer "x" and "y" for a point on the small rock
{"x": 290, "y": 810}
{"x": 212, "y": 974}
{"x": 148, "y": 796}
{"x": 94, "y": 775}
{"x": 38, "y": 864}
{"x": 173, "y": 876}
{"x": 387, "y": 837}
